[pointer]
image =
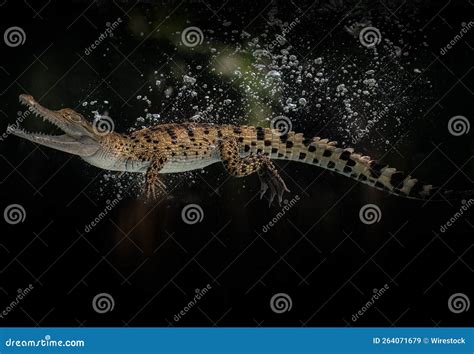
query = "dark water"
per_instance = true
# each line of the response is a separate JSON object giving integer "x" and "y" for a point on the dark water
{"x": 319, "y": 252}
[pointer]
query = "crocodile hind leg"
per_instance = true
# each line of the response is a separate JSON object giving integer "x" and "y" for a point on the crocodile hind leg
{"x": 243, "y": 166}
{"x": 154, "y": 187}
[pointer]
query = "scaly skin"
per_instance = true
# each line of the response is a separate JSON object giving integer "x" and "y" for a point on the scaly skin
{"x": 243, "y": 150}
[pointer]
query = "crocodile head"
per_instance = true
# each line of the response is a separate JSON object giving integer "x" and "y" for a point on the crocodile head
{"x": 79, "y": 138}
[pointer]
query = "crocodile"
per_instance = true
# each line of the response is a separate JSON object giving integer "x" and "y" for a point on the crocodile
{"x": 180, "y": 147}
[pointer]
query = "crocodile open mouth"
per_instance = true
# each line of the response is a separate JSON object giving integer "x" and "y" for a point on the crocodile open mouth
{"x": 47, "y": 115}
{"x": 75, "y": 138}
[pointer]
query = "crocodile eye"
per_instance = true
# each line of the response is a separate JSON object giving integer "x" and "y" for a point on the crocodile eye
{"x": 75, "y": 118}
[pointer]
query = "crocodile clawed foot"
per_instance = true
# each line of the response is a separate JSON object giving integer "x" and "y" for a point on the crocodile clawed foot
{"x": 154, "y": 190}
{"x": 270, "y": 179}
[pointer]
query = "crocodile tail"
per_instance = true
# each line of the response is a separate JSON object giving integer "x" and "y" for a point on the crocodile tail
{"x": 326, "y": 154}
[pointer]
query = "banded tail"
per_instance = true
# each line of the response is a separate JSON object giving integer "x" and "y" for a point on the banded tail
{"x": 326, "y": 154}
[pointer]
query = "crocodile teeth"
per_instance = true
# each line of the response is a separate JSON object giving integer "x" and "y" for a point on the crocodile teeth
{"x": 11, "y": 129}
{"x": 38, "y": 113}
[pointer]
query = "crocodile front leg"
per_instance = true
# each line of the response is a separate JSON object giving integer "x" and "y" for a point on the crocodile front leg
{"x": 154, "y": 187}
{"x": 243, "y": 166}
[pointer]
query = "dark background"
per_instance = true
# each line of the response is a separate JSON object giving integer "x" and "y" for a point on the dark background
{"x": 320, "y": 253}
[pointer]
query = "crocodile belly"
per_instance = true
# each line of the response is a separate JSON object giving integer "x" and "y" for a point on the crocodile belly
{"x": 184, "y": 165}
